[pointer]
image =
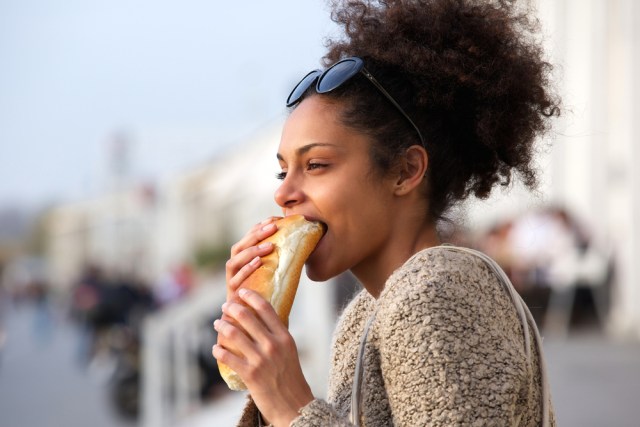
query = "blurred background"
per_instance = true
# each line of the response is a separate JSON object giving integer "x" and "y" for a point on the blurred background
{"x": 137, "y": 143}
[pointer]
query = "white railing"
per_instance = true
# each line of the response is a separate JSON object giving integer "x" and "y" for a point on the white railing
{"x": 170, "y": 382}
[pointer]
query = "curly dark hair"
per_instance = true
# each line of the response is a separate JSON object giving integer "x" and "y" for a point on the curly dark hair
{"x": 471, "y": 74}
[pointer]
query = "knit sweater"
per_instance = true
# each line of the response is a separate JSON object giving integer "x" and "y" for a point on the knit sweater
{"x": 446, "y": 348}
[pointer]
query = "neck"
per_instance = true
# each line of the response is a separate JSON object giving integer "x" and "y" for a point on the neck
{"x": 405, "y": 243}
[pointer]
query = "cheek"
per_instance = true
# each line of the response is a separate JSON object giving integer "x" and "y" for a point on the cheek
{"x": 331, "y": 257}
{"x": 342, "y": 194}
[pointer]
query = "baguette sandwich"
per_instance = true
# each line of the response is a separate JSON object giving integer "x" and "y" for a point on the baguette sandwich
{"x": 277, "y": 278}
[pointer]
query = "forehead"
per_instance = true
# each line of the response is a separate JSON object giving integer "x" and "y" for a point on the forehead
{"x": 316, "y": 120}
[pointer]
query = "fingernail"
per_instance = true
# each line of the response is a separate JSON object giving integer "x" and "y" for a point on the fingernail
{"x": 268, "y": 227}
{"x": 254, "y": 262}
{"x": 243, "y": 293}
{"x": 215, "y": 324}
{"x": 264, "y": 245}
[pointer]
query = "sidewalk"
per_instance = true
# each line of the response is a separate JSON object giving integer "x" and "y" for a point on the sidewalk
{"x": 595, "y": 381}
{"x": 41, "y": 380}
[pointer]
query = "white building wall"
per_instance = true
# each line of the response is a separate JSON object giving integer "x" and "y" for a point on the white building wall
{"x": 634, "y": 170}
{"x": 596, "y": 154}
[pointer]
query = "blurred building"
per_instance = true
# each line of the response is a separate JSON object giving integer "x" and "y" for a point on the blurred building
{"x": 146, "y": 230}
{"x": 114, "y": 231}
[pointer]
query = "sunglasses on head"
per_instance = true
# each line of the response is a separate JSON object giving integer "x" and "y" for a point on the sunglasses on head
{"x": 337, "y": 75}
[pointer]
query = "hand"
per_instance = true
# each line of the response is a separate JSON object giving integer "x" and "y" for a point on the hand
{"x": 245, "y": 255}
{"x": 264, "y": 355}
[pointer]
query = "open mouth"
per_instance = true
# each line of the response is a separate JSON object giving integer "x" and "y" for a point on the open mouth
{"x": 325, "y": 228}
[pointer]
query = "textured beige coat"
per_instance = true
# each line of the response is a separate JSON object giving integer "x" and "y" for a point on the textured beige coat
{"x": 446, "y": 349}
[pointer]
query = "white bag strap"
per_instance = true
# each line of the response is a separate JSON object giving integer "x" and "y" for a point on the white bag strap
{"x": 356, "y": 390}
{"x": 526, "y": 319}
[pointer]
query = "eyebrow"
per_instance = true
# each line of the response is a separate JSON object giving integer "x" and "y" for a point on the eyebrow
{"x": 305, "y": 148}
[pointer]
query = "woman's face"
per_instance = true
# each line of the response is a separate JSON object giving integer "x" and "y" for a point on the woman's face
{"x": 327, "y": 175}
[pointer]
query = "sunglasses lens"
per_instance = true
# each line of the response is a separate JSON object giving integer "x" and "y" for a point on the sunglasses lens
{"x": 302, "y": 87}
{"x": 339, "y": 73}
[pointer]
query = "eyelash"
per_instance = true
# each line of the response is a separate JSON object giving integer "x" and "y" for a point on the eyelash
{"x": 311, "y": 166}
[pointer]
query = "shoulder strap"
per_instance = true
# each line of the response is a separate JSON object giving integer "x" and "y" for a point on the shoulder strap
{"x": 356, "y": 388}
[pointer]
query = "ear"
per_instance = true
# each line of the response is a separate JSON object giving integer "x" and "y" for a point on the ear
{"x": 412, "y": 170}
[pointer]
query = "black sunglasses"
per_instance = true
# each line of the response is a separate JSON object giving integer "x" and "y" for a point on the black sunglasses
{"x": 337, "y": 75}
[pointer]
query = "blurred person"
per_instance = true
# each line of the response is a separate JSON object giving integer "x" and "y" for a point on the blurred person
{"x": 535, "y": 241}
{"x": 128, "y": 301}
{"x": 3, "y": 310}
{"x": 174, "y": 284}
{"x": 579, "y": 275}
{"x": 549, "y": 255}
{"x": 424, "y": 103}
{"x": 86, "y": 297}
{"x": 583, "y": 260}
{"x": 39, "y": 295}
{"x": 495, "y": 243}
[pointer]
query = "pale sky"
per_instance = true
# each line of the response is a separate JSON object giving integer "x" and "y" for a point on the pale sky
{"x": 180, "y": 79}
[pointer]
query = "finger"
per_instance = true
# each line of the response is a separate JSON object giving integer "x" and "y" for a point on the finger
{"x": 234, "y": 339}
{"x": 239, "y": 259}
{"x": 227, "y": 357}
{"x": 258, "y": 233}
{"x": 263, "y": 309}
{"x": 235, "y": 280}
{"x": 246, "y": 319}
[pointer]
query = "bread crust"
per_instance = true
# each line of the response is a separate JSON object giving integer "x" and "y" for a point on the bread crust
{"x": 277, "y": 278}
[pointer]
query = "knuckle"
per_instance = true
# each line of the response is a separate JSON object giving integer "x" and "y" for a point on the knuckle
{"x": 260, "y": 304}
{"x": 231, "y": 288}
{"x": 286, "y": 341}
{"x": 218, "y": 354}
{"x": 235, "y": 248}
{"x": 226, "y": 330}
{"x": 241, "y": 313}
{"x": 270, "y": 349}
{"x": 247, "y": 267}
{"x": 232, "y": 284}
{"x": 231, "y": 333}
{"x": 252, "y": 372}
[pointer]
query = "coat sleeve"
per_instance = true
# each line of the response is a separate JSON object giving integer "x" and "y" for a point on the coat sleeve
{"x": 250, "y": 414}
{"x": 317, "y": 413}
{"x": 448, "y": 355}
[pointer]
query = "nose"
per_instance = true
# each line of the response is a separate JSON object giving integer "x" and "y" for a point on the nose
{"x": 289, "y": 193}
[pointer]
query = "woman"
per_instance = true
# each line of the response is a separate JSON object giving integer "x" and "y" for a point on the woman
{"x": 425, "y": 103}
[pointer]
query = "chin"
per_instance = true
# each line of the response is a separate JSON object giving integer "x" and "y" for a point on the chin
{"x": 318, "y": 274}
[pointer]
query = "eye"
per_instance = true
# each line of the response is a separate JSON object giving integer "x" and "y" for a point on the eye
{"x": 313, "y": 165}
{"x": 281, "y": 175}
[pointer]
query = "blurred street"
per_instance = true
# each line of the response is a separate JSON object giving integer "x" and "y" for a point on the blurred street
{"x": 595, "y": 381}
{"x": 42, "y": 379}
